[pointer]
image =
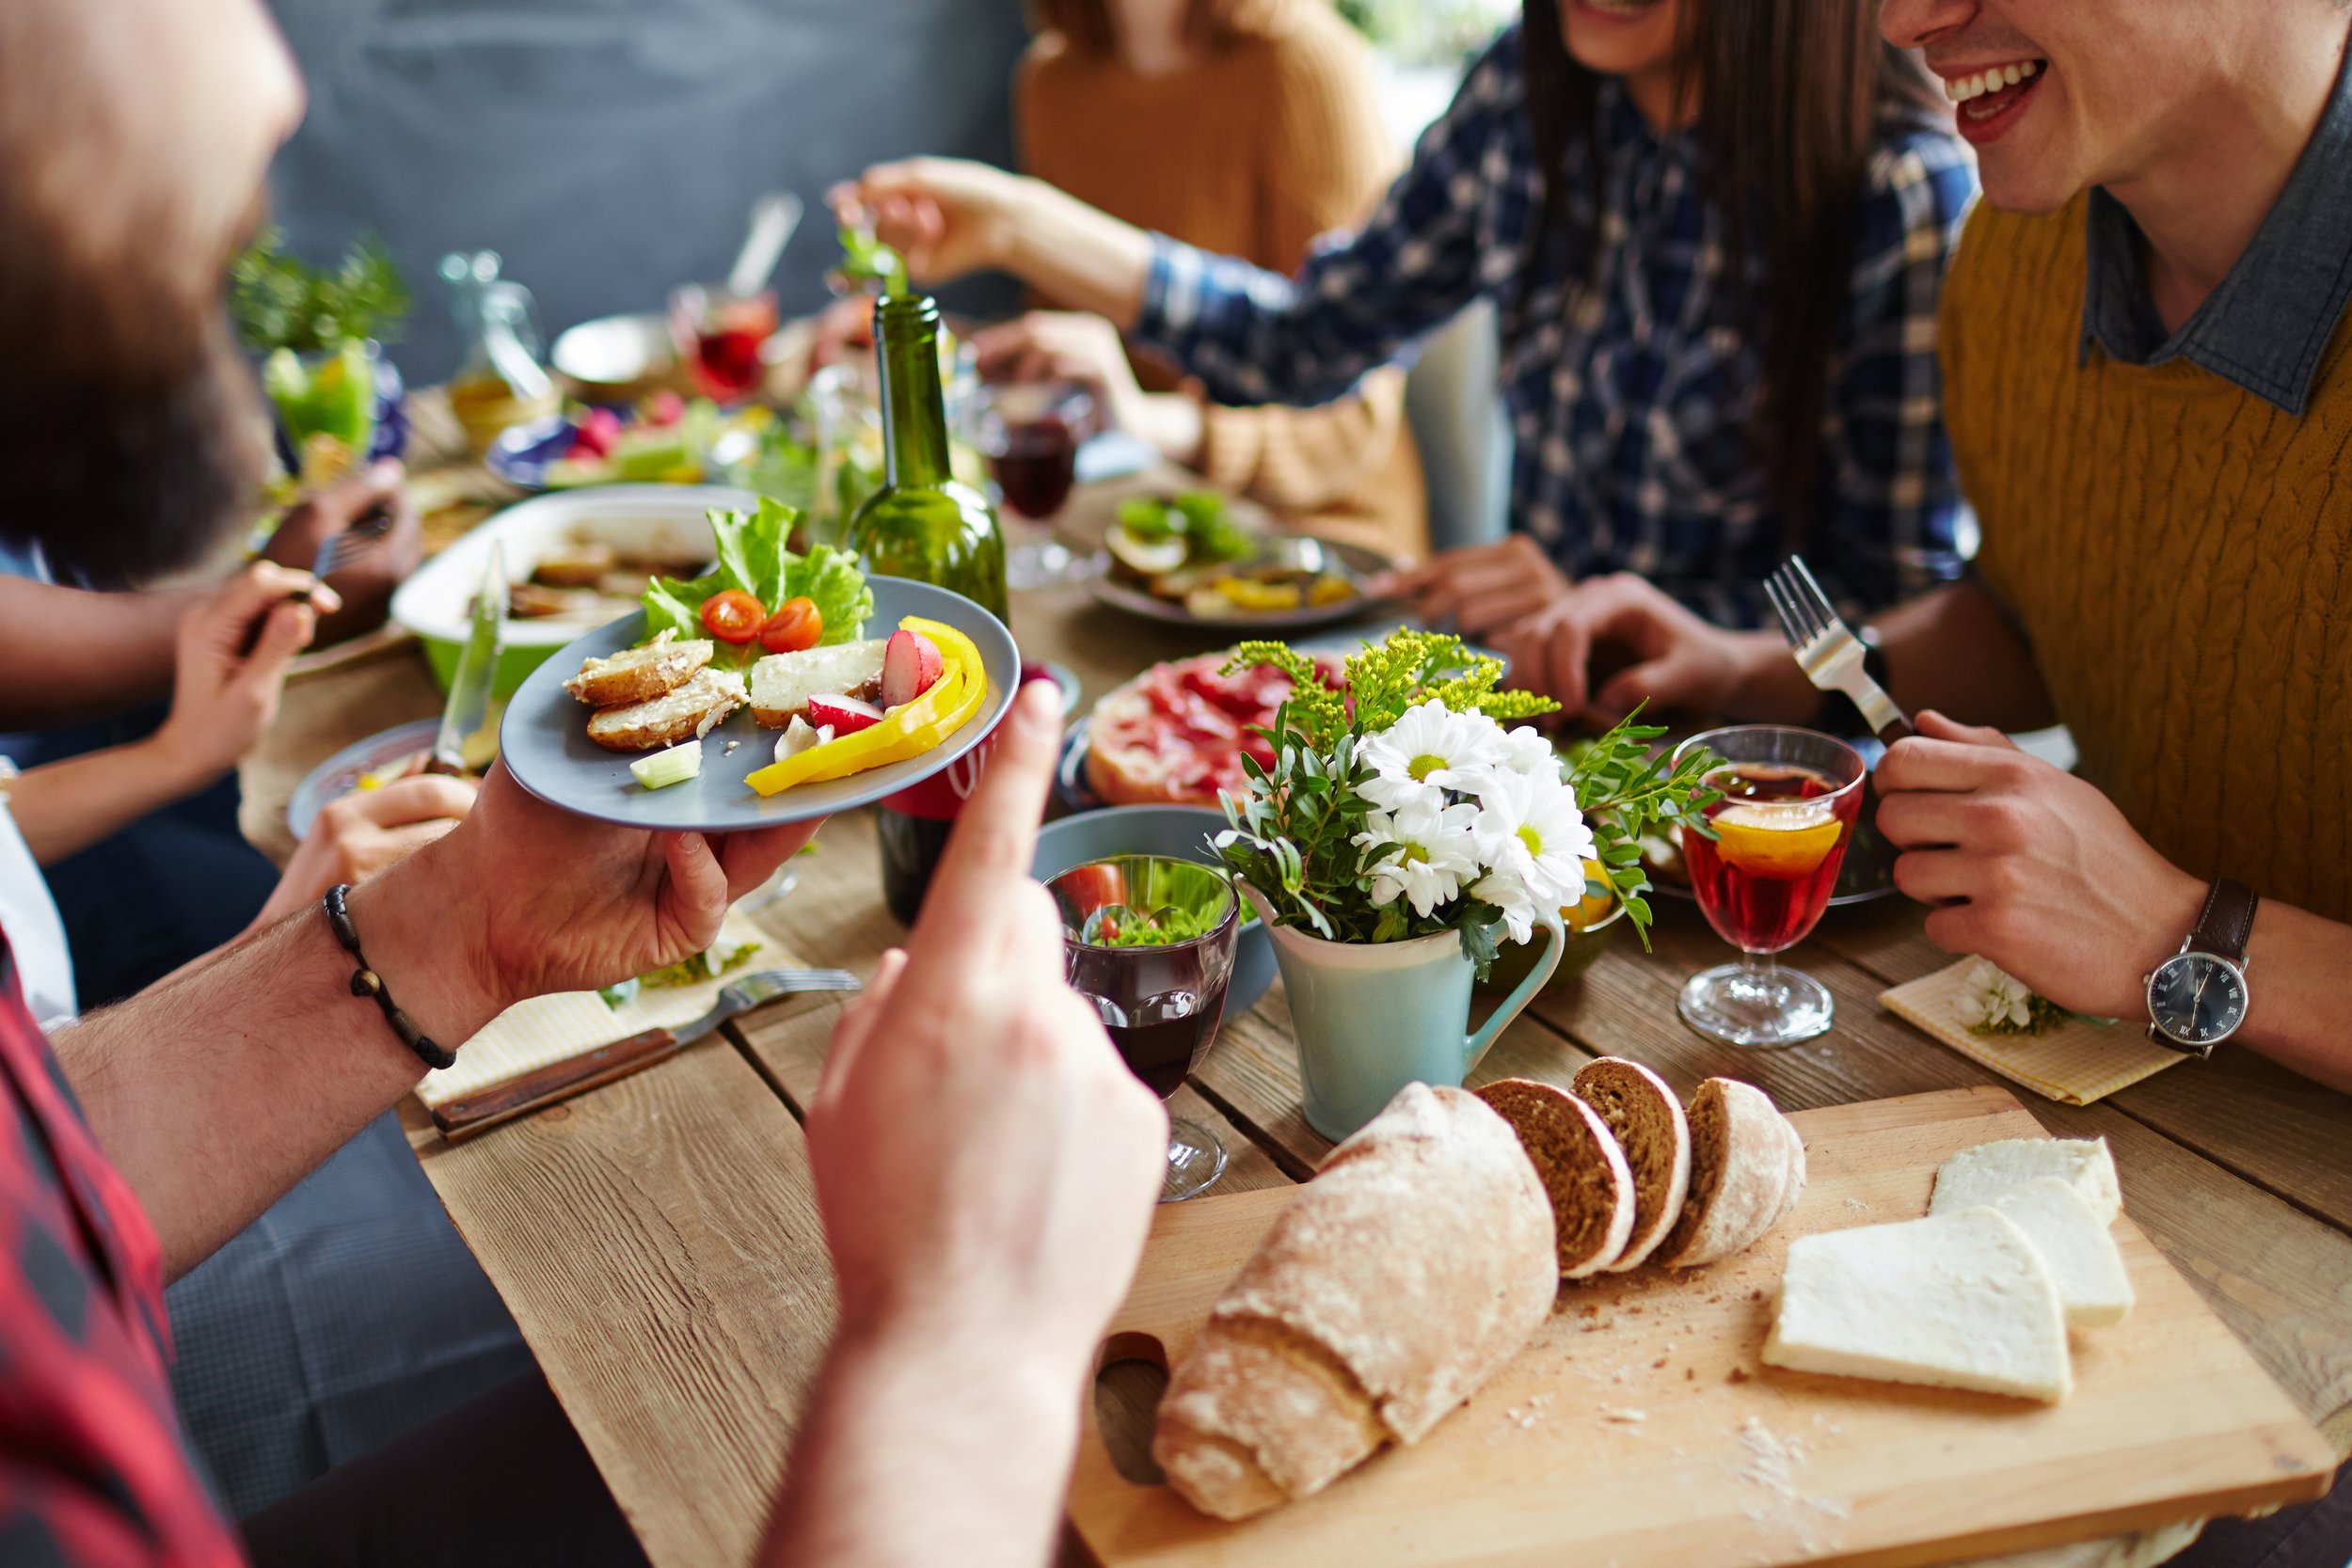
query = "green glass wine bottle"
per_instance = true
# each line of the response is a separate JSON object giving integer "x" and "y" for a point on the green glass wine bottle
{"x": 926, "y": 524}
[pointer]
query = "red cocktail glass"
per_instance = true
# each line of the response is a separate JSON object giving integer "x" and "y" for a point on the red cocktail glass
{"x": 721, "y": 335}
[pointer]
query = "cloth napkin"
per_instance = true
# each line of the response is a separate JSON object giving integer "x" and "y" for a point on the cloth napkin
{"x": 2074, "y": 1062}
{"x": 550, "y": 1029}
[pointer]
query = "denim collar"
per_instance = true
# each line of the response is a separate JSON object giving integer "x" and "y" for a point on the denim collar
{"x": 2265, "y": 327}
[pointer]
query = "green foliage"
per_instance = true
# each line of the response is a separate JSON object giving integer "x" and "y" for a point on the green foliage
{"x": 1292, "y": 836}
{"x": 276, "y": 301}
{"x": 866, "y": 260}
{"x": 1198, "y": 516}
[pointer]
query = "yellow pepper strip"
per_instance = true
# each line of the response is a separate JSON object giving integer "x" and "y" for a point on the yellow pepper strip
{"x": 908, "y": 730}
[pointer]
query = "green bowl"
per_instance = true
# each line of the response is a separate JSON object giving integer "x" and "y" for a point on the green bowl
{"x": 513, "y": 663}
{"x": 1517, "y": 959}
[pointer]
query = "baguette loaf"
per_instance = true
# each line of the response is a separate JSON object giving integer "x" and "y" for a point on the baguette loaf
{"x": 1417, "y": 1262}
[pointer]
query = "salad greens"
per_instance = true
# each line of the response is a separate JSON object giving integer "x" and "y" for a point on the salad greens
{"x": 755, "y": 559}
{"x": 1198, "y": 517}
{"x": 276, "y": 301}
{"x": 1117, "y": 926}
{"x": 866, "y": 260}
{"x": 690, "y": 971}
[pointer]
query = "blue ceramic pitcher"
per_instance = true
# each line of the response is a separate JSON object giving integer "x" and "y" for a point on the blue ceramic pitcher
{"x": 1372, "y": 1016}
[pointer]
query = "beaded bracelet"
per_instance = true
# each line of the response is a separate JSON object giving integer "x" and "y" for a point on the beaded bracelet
{"x": 367, "y": 982}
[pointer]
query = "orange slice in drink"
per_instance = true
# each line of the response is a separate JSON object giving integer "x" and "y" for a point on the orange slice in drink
{"x": 1779, "y": 842}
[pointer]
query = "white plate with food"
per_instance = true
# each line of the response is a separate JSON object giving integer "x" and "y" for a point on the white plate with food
{"x": 1184, "y": 559}
{"x": 773, "y": 688}
{"x": 368, "y": 764}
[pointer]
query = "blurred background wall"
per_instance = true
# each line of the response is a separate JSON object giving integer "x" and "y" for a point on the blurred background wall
{"x": 610, "y": 148}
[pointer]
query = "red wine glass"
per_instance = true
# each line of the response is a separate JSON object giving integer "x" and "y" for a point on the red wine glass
{"x": 1148, "y": 940}
{"x": 1780, "y": 833}
{"x": 1030, "y": 433}
{"x": 722, "y": 335}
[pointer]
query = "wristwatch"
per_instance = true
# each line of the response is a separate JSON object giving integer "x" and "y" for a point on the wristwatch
{"x": 2197, "y": 997}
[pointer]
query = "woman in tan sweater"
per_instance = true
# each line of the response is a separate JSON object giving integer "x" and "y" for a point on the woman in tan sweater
{"x": 1246, "y": 127}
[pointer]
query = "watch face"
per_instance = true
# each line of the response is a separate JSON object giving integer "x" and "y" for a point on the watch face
{"x": 2198, "y": 999}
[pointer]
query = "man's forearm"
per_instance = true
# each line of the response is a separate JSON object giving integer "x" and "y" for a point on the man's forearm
{"x": 73, "y": 655}
{"x": 61, "y": 807}
{"x": 1081, "y": 257}
{"x": 1954, "y": 651}
{"x": 982, "y": 1440}
{"x": 2294, "y": 983}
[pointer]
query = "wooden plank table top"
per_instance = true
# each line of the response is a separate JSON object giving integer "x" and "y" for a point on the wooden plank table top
{"x": 658, "y": 1242}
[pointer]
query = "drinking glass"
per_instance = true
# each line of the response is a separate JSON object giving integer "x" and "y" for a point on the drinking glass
{"x": 1790, "y": 800}
{"x": 720, "y": 334}
{"x": 1160, "y": 1000}
{"x": 1030, "y": 433}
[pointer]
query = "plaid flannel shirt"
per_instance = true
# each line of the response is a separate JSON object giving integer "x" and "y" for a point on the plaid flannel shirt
{"x": 1632, "y": 390}
{"x": 93, "y": 1470}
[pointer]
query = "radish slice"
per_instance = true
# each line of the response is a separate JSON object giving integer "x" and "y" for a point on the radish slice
{"x": 843, "y": 715}
{"x": 912, "y": 665}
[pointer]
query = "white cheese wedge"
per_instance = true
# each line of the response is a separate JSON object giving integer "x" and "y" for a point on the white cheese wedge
{"x": 1961, "y": 1300}
{"x": 1982, "y": 1174}
{"x": 2082, "y": 1255}
{"x": 782, "y": 684}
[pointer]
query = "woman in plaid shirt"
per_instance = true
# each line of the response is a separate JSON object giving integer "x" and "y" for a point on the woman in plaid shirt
{"x": 1696, "y": 386}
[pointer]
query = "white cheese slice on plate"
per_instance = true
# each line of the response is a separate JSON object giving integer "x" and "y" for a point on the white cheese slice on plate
{"x": 1960, "y": 1300}
{"x": 1982, "y": 1174}
{"x": 2083, "y": 1257}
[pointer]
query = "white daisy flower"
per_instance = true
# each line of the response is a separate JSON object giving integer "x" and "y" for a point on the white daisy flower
{"x": 1509, "y": 894}
{"x": 1430, "y": 749}
{"x": 1529, "y": 828}
{"x": 1526, "y": 751}
{"x": 1989, "y": 998}
{"x": 1440, "y": 854}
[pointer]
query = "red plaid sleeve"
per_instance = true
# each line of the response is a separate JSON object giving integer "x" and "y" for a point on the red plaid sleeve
{"x": 93, "y": 1470}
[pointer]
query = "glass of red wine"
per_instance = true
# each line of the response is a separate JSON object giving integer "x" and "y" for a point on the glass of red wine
{"x": 721, "y": 335}
{"x": 1030, "y": 431}
{"x": 1790, "y": 798}
{"x": 1149, "y": 941}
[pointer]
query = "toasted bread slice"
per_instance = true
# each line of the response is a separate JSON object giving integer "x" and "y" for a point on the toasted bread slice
{"x": 640, "y": 675}
{"x": 782, "y": 684}
{"x": 689, "y": 711}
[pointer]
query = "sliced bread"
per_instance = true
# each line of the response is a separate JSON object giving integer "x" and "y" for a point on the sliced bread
{"x": 782, "y": 684}
{"x": 2081, "y": 1252}
{"x": 683, "y": 713}
{"x": 1958, "y": 1300}
{"x": 1647, "y": 1121}
{"x": 1583, "y": 1171}
{"x": 1740, "y": 1170}
{"x": 1982, "y": 1174}
{"x": 1797, "y": 1171}
{"x": 640, "y": 675}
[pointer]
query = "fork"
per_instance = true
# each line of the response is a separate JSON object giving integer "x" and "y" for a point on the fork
{"x": 350, "y": 547}
{"x": 1827, "y": 649}
{"x": 544, "y": 1087}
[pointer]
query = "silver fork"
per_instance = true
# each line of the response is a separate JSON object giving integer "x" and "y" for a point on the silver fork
{"x": 1827, "y": 651}
{"x": 351, "y": 545}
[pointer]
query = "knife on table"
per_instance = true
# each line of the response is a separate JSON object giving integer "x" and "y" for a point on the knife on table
{"x": 501, "y": 1102}
{"x": 469, "y": 703}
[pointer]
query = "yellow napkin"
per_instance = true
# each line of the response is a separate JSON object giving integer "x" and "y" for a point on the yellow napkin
{"x": 550, "y": 1029}
{"x": 2074, "y": 1064}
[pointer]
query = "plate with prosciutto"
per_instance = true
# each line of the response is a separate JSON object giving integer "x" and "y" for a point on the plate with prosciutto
{"x": 775, "y": 687}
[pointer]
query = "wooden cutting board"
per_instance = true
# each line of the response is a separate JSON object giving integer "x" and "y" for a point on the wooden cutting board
{"x": 1640, "y": 1429}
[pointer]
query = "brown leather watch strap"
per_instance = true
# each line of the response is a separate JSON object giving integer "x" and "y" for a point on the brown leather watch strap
{"x": 2227, "y": 922}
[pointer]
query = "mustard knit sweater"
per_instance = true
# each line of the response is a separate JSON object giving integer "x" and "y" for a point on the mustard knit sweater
{"x": 1252, "y": 151}
{"x": 2179, "y": 553}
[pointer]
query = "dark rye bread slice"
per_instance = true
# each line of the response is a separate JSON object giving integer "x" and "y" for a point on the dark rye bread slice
{"x": 1648, "y": 1124}
{"x": 1740, "y": 1165}
{"x": 1582, "y": 1170}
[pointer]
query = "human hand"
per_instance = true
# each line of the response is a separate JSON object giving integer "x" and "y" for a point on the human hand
{"x": 1482, "y": 589}
{"x": 2035, "y": 869}
{"x": 223, "y": 693}
{"x": 366, "y": 585}
{"x": 944, "y": 217}
{"x": 1064, "y": 345}
{"x": 366, "y": 830}
{"x": 1613, "y": 643}
{"x": 985, "y": 1164}
{"x": 522, "y": 899}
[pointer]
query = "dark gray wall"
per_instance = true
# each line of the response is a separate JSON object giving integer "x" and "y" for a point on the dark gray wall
{"x": 610, "y": 149}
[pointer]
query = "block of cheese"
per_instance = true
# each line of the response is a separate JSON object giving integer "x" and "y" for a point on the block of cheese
{"x": 2083, "y": 1257}
{"x": 1982, "y": 1174}
{"x": 1958, "y": 1300}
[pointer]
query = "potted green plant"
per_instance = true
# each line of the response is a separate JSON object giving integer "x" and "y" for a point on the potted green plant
{"x": 321, "y": 332}
{"x": 1407, "y": 825}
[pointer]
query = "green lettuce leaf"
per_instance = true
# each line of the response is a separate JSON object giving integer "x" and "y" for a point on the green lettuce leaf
{"x": 830, "y": 579}
{"x": 753, "y": 557}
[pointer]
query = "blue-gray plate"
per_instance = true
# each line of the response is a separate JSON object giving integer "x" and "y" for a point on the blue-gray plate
{"x": 544, "y": 738}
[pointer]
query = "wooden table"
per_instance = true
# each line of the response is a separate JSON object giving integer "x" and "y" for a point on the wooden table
{"x": 658, "y": 1242}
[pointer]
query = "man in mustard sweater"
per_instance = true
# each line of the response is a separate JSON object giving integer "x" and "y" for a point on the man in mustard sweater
{"x": 2147, "y": 380}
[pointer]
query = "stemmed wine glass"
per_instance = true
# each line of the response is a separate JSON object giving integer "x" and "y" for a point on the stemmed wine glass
{"x": 1790, "y": 798}
{"x": 1149, "y": 941}
{"x": 1030, "y": 431}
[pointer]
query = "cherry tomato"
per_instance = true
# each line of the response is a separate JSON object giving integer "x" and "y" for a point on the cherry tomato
{"x": 733, "y": 615}
{"x": 799, "y": 624}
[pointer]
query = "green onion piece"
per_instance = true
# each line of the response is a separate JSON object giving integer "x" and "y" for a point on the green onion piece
{"x": 675, "y": 765}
